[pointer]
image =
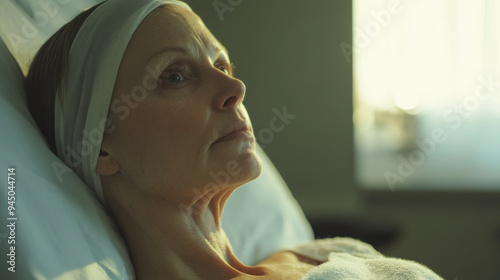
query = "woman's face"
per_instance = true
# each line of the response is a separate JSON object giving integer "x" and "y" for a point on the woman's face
{"x": 174, "y": 101}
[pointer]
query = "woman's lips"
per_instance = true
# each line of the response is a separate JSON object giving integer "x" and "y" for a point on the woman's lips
{"x": 240, "y": 134}
{"x": 238, "y": 130}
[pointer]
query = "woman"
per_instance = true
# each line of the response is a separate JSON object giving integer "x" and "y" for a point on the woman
{"x": 139, "y": 98}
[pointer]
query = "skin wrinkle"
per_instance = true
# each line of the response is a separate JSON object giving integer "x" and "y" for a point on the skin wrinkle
{"x": 156, "y": 174}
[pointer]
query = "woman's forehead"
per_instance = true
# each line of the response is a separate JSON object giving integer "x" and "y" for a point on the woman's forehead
{"x": 173, "y": 26}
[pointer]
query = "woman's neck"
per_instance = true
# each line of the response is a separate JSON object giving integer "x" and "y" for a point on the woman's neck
{"x": 183, "y": 241}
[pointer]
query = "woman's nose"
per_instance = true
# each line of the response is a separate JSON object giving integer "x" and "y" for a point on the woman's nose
{"x": 232, "y": 93}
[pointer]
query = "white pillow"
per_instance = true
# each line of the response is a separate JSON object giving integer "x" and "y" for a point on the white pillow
{"x": 26, "y": 24}
{"x": 62, "y": 232}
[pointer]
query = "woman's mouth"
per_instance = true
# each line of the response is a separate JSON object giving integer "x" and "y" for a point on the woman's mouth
{"x": 238, "y": 131}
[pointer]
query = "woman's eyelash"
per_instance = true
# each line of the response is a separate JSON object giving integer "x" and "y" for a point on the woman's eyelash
{"x": 172, "y": 70}
{"x": 229, "y": 67}
{"x": 182, "y": 70}
{"x": 173, "y": 75}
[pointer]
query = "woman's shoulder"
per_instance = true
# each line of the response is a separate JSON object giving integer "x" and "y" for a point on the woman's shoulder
{"x": 300, "y": 260}
{"x": 287, "y": 265}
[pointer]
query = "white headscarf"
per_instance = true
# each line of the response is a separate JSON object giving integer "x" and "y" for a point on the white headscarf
{"x": 94, "y": 59}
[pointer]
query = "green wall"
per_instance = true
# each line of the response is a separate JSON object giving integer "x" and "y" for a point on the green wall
{"x": 287, "y": 53}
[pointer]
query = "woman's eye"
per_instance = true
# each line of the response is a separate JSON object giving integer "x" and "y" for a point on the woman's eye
{"x": 224, "y": 69}
{"x": 227, "y": 68}
{"x": 175, "y": 78}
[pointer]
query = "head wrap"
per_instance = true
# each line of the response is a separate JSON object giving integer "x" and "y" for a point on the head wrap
{"x": 94, "y": 59}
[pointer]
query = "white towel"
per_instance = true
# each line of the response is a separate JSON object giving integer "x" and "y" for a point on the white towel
{"x": 350, "y": 259}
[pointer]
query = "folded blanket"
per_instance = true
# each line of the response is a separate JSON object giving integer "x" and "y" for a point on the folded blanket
{"x": 349, "y": 259}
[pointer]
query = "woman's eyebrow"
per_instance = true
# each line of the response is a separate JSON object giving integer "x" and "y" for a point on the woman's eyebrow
{"x": 218, "y": 49}
{"x": 222, "y": 49}
{"x": 168, "y": 49}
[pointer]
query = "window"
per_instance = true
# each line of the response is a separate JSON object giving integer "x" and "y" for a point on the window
{"x": 427, "y": 94}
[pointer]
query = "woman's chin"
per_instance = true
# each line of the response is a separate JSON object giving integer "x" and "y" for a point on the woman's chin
{"x": 252, "y": 166}
{"x": 239, "y": 169}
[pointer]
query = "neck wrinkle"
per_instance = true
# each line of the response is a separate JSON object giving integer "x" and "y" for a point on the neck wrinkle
{"x": 181, "y": 242}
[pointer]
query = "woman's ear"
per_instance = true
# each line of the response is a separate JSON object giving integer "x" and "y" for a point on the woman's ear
{"x": 106, "y": 164}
